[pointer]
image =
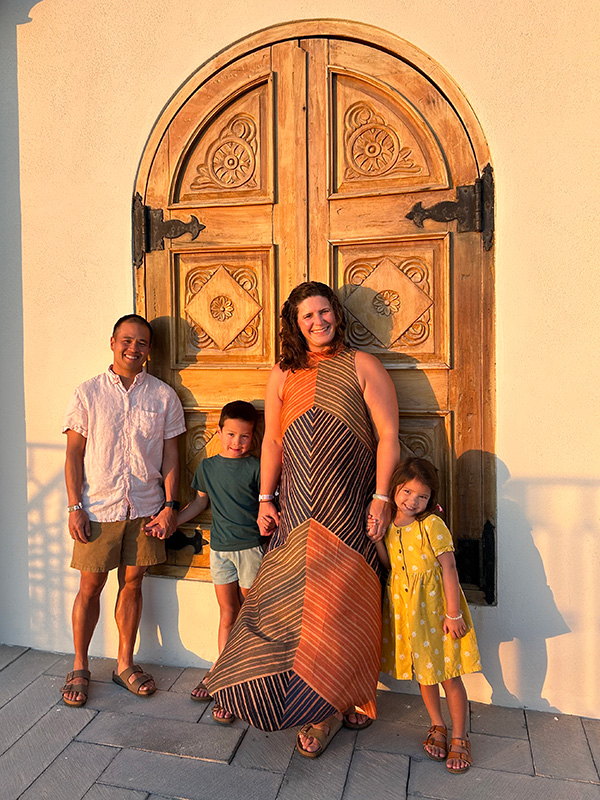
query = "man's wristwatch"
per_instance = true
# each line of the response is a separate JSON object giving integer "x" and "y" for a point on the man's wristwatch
{"x": 174, "y": 504}
{"x": 75, "y": 507}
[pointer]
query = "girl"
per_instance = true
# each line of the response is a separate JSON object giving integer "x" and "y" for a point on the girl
{"x": 426, "y": 618}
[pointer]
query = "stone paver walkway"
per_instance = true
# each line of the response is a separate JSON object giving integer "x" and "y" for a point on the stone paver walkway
{"x": 121, "y": 747}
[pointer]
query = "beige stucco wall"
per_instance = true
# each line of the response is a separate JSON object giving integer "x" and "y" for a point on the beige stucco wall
{"x": 82, "y": 85}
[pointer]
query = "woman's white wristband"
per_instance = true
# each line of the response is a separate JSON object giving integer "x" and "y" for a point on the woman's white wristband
{"x": 265, "y": 498}
{"x": 383, "y": 497}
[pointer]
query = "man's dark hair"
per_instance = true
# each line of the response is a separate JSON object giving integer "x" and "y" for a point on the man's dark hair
{"x": 133, "y": 318}
{"x": 238, "y": 409}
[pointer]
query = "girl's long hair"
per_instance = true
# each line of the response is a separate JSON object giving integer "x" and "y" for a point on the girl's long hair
{"x": 422, "y": 470}
{"x": 294, "y": 350}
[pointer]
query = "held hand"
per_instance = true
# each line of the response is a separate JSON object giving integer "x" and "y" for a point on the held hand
{"x": 268, "y": 518}
{"x": 378, "y": 519}
{"x": 79, "y": 526}
{"x": 456, "y": 628}
{"x": 162, "y": 524}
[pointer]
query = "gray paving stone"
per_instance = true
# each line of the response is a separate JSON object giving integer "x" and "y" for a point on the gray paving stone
{"x": 592, "y": 731}
{"x": 217, "y": 743}
{"x": 71, "y": 774}
{"x": 100, "y": 792}
{"x": 501, "y": 753}
{"x": 498, "y": 721}
{"x": 173, "y": 776}
{"x": 260, "y": 750}
{"x": 36, "y": 750}
{"x": 380, "y": 775}
{"x": 559, "y": 746}
{"x": 24, "y": 710}
{"x": 22, "y": 671}
{"x": 102, "y": 670}
{"x": 324, "y": 777}
{"x": 165, "y": 705}
{"x": 189, "y": 678}
{"x": 8, "y": 653}
{"x": 431, "y": 780}
{"x": 392, "y": 737}
{"x": 406, "y": 708}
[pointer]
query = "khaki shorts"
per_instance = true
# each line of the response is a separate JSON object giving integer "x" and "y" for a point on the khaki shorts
{"x": 114, "y": 544}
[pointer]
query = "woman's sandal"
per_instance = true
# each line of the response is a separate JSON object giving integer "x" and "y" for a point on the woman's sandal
{"x": 80, "y": 688}
{"x": 122, "y": 679}
{"x": 356, "y": 726}
{"x": 437, "y": 736}
{"x": 320, "y": 735}
{"x": 221, "y": 720}
{"x": 460, "y": 749}
{"x": 203, "y": 699}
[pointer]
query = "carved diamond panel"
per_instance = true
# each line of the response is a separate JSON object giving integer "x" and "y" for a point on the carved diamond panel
{"x": 230, "y": 158}
{"x": 396, "y": 295}
{"x": 381, "y": 142}
{"x": 225, "y": 306}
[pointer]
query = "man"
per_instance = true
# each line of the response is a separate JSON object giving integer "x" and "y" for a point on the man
{"x": 122, "y": 428}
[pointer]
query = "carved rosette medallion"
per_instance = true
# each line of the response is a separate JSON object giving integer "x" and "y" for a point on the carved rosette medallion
{"x": 221, "y": 305}
{"x": 386, "y": 303}
{"x": 222, "y": 308}
{"x": 390, "y": 306}
{"x": 231, "y": 158}
{"x": 372, "y": 148}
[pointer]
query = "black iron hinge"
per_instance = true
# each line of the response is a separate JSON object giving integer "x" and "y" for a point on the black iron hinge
{"x": 150, "y": 229}
{"x": 473, "y": 208}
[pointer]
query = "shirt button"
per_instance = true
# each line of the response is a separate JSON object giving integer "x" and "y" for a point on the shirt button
{"x": 402, "y": 567}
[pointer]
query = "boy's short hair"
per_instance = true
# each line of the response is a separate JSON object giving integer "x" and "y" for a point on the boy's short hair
{"x": 133, "y": 318}
{"x": 238, "y": 409}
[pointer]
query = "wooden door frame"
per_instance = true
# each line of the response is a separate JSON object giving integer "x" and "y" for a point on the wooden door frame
{"x": 443, "y": 82}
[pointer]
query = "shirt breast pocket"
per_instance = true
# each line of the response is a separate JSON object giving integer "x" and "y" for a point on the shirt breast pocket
{"x": 150, "y": 424}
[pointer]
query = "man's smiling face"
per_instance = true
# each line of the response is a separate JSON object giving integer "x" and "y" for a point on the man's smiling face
{"x": 131, "y": 348}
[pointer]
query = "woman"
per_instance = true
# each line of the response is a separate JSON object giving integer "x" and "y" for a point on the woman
{"x": 306, "y": 646}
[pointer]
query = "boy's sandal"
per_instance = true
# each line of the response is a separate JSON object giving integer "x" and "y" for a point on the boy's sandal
{"x": 205, "y": 698}
{"x": 80, "y": 688}
{"x": 437, "y": 736}
{"x": 459, "y": 749}
{"x": 122, "y": 679}
{"x": 356, "y": 726}
{"x": 222, "y": 720}
{"x": 323, "y": 737}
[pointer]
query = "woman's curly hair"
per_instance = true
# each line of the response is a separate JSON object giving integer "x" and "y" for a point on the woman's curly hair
{"x": 294, "y": 350}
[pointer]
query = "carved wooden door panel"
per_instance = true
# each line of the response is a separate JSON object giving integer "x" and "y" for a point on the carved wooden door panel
{"x": 302, "y": 160}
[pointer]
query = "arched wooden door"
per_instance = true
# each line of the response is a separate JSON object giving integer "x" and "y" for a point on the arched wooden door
{"x": 301, "y": 151}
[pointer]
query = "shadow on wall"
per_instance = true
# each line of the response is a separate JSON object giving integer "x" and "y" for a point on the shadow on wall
{"x": 14, "y": 597}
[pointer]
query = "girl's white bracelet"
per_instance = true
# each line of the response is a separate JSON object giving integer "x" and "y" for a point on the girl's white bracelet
{"x": 454, "y": 618}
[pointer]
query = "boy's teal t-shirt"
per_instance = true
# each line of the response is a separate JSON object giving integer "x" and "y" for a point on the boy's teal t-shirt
{"x": 232, "y": 486}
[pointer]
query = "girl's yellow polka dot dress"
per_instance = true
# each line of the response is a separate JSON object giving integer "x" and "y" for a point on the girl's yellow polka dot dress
{"x": 415, "y": 606}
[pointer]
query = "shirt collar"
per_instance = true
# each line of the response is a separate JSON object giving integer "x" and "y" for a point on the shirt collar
{"x": 116, "y": 380}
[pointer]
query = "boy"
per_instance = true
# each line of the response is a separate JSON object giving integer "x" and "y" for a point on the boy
{"x": 230, "y": 481}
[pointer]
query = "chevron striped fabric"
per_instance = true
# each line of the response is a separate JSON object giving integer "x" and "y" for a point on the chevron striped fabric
{"x": 307, "y": 641}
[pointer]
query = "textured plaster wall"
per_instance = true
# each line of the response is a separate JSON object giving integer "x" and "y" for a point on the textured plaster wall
{"x": 81, "y": 87}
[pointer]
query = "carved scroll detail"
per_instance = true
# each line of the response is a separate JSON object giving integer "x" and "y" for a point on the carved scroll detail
{"x": 231, "y": 158}
{"x": 373, "y": 148}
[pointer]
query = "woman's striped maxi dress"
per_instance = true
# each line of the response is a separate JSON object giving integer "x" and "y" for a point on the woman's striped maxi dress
{"x": 307, "y": 641}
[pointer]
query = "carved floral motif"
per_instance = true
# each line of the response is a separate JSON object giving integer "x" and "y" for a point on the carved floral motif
{"x": 231, "y": 158}
{"x": 402, "y": 310}
{"x": 372, "y": 147}
{"x": 386, "y": 302}
{"x": 222, "y": 307}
